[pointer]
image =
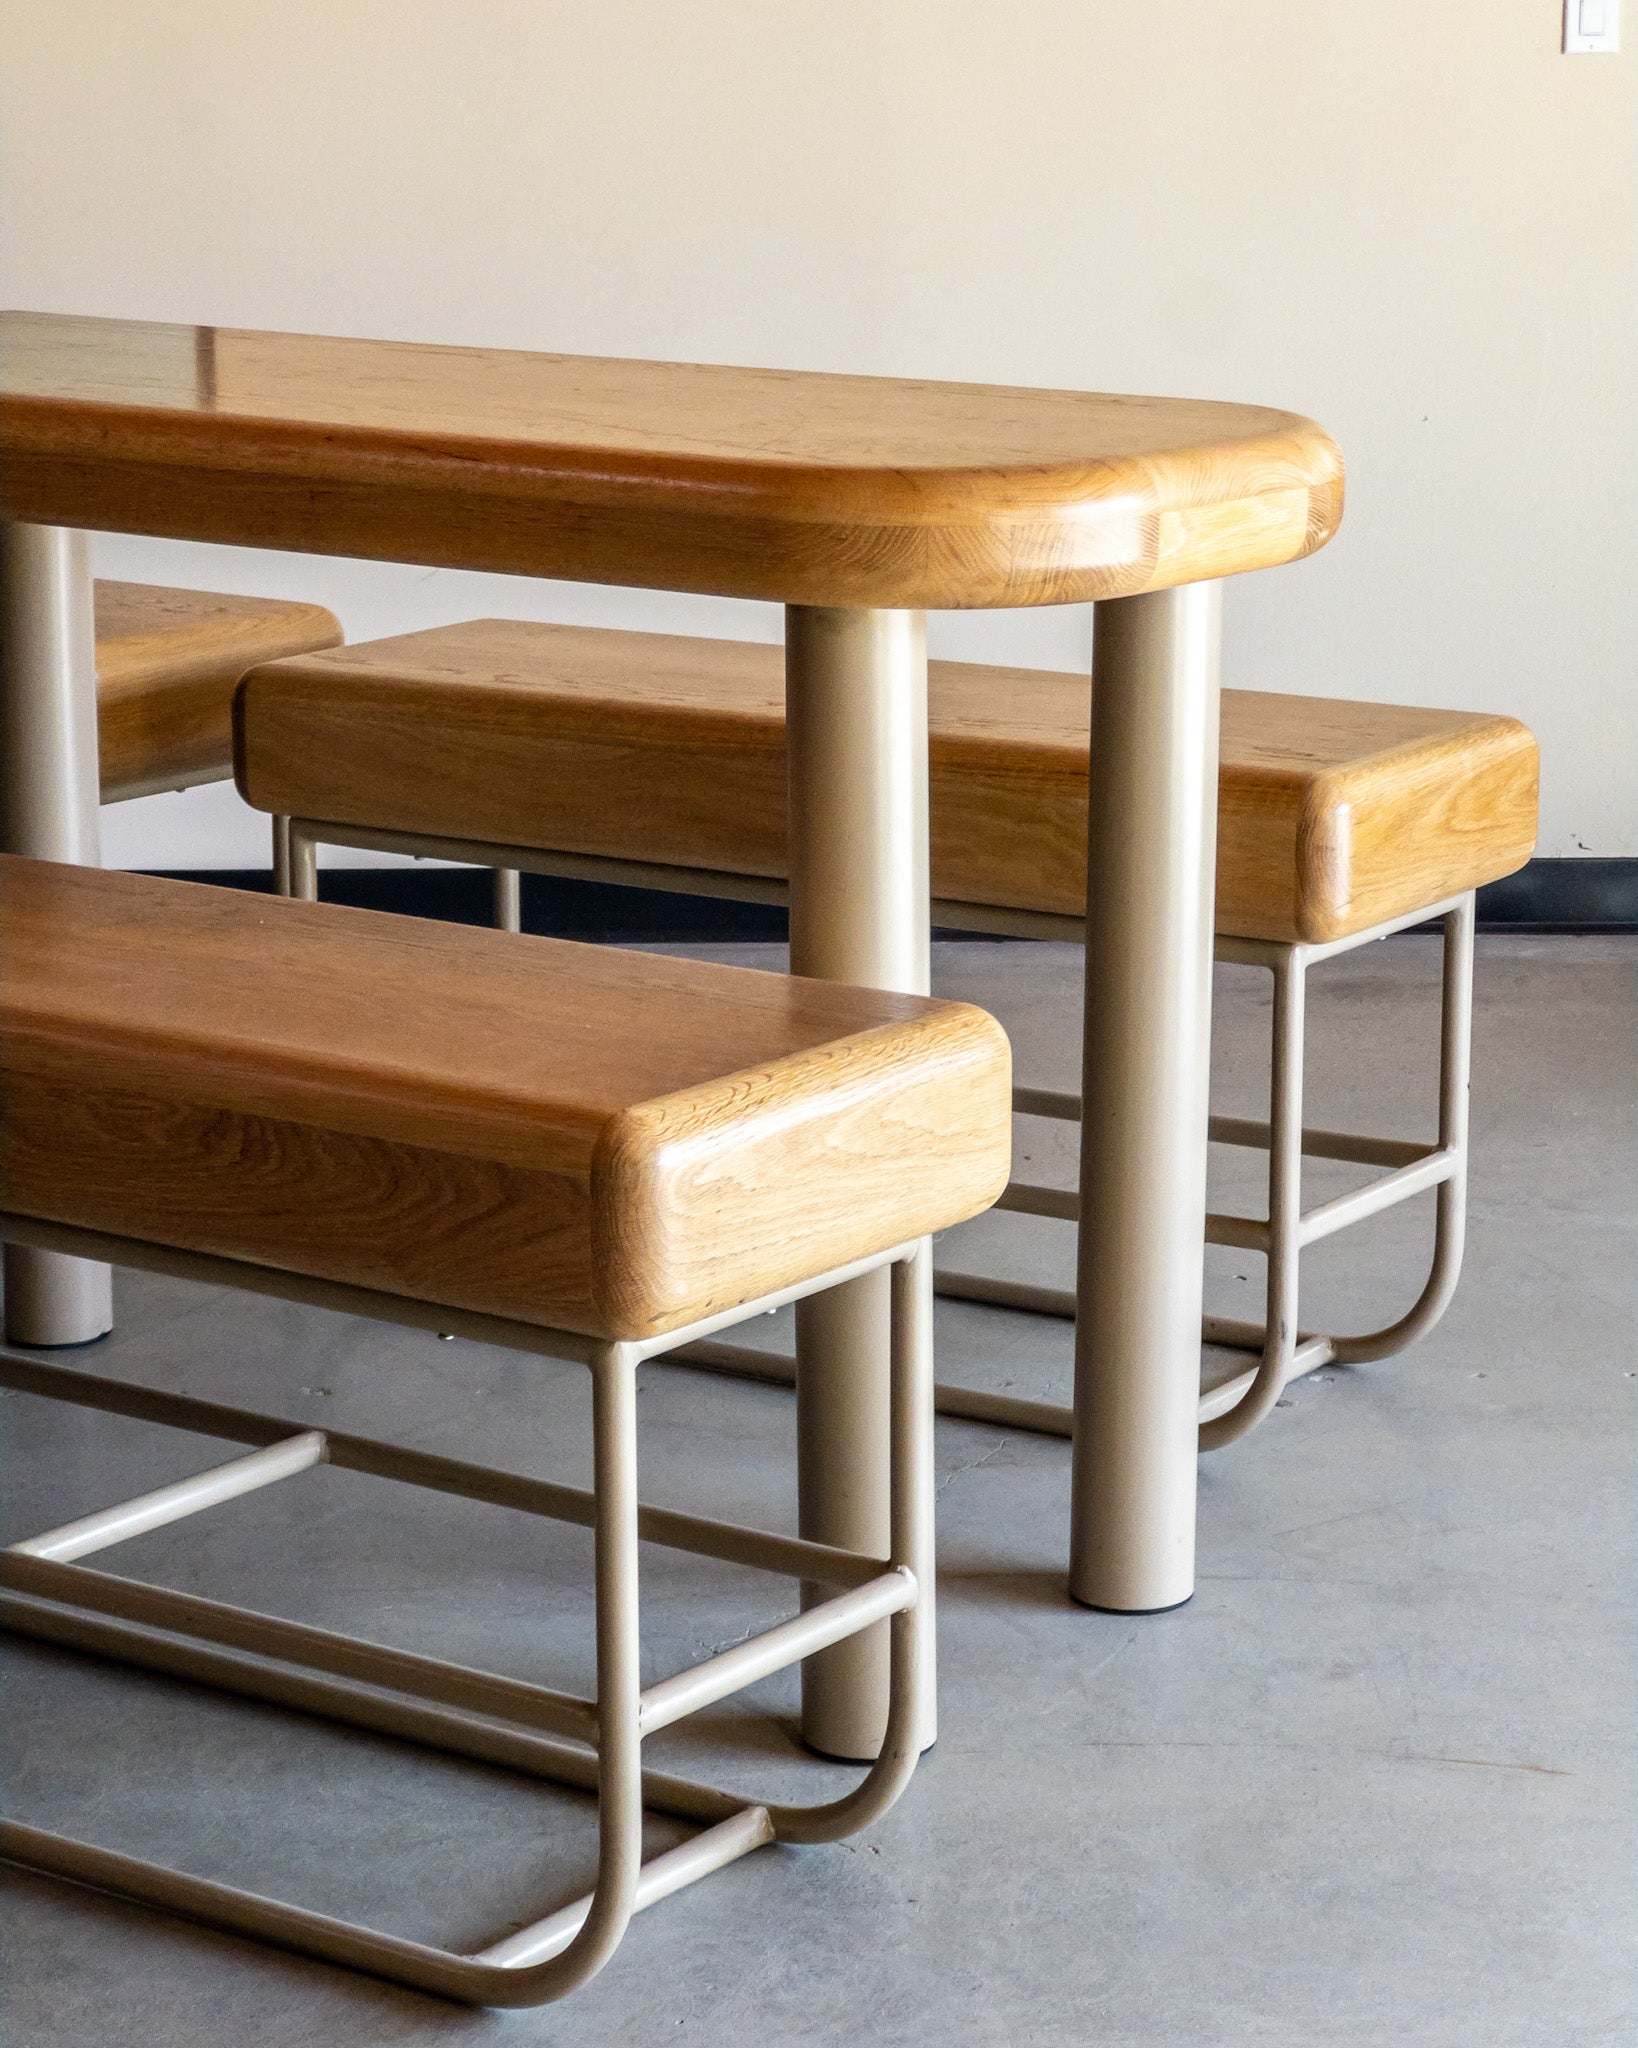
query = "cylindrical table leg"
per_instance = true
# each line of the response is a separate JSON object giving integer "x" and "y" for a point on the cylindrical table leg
{"x": 50, "y": 793}
{"x": 1151, "y": 866}
{"x": 281, "y": 856}
{"x": 508, "y": 900}
{"x": 856, "y": 715}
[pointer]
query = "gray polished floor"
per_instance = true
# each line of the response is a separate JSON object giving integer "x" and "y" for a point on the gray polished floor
{"x": 1372, "y": 1788}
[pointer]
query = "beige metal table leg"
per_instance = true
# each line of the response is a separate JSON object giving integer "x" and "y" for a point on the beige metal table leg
{"x": 856, "y": 711}
{"x": 1151, "y": 864}
{"x": 50, "y": 792}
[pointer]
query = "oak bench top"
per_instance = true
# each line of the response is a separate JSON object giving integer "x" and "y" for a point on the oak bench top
{"x": 761, "y": 483}
{"x": 1333, "y": 815}
{"x": 610, "y": 1142}
{"x": 167, "y": 665}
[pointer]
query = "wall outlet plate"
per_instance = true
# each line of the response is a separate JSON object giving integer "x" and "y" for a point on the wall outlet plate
{"x": 1592, "y": 28}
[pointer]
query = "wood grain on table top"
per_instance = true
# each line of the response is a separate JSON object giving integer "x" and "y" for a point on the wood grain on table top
{"x": 616, "y": 1142}
{"x": 1333, "y": 814}
{"x": 168, "y": 662}
{"x": 791, "y": 485}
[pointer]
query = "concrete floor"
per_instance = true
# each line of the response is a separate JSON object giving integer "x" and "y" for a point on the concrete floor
{"x": 1371, "y": 1788}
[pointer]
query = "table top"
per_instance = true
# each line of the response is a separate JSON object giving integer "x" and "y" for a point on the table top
{"x": 788, "y": 485}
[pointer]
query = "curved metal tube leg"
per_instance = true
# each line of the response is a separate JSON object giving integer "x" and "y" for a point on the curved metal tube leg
{"x": 1285, "y": 1077}
{"x": 1282, "y": 1338}
{"x": 1450, "y": 1198}
{"x": 619, "y": 1682}
{"x": 909, "y": 1721}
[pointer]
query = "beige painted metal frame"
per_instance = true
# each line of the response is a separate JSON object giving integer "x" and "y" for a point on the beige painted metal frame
{"x": 1234, "y": 1404}
{"x": 592, "y": 1744}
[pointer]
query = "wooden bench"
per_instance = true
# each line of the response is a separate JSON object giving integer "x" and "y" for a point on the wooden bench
{"x": 168, "y": 662}
{"x": 1333, "y": 816}
{"x": 564, "y": 1149}
{"x": 660, "y": 760}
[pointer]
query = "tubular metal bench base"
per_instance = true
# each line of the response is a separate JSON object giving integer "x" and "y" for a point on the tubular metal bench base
{"x": 1232, "y": 1403}
{"x": 592, "y": 1745}
{"x": 1236, "y": 1402}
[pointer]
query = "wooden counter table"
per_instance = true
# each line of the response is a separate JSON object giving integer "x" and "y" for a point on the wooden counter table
{"x": 858, "y": 503}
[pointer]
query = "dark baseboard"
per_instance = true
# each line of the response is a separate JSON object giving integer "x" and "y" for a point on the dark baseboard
{"x": 1587, "y": 895}
{"x": 1592, "y": 893}
{"x": 554, "y": 908}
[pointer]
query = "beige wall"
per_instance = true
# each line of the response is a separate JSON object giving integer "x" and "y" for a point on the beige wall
{"x": 1416, "y": 223}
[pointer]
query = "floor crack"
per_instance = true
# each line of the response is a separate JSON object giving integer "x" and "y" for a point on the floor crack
{"x": 971, "y": 1465}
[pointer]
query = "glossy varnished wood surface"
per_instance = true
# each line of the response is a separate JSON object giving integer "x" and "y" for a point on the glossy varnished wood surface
{"x": 168, "y": 662}
{"x": 607, "y": 1141}
{"x": 1334, "y": 815}
{"x": 779, "y": 484}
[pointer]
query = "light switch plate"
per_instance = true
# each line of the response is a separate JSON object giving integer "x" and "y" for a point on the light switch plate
{"x": 1592, "y": 28}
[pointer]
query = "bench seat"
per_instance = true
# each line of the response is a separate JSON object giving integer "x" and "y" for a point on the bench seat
{"x": 607, "y": 1142}
{"x": 168, "y": 662}
{"x": 1334, "y": 816}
